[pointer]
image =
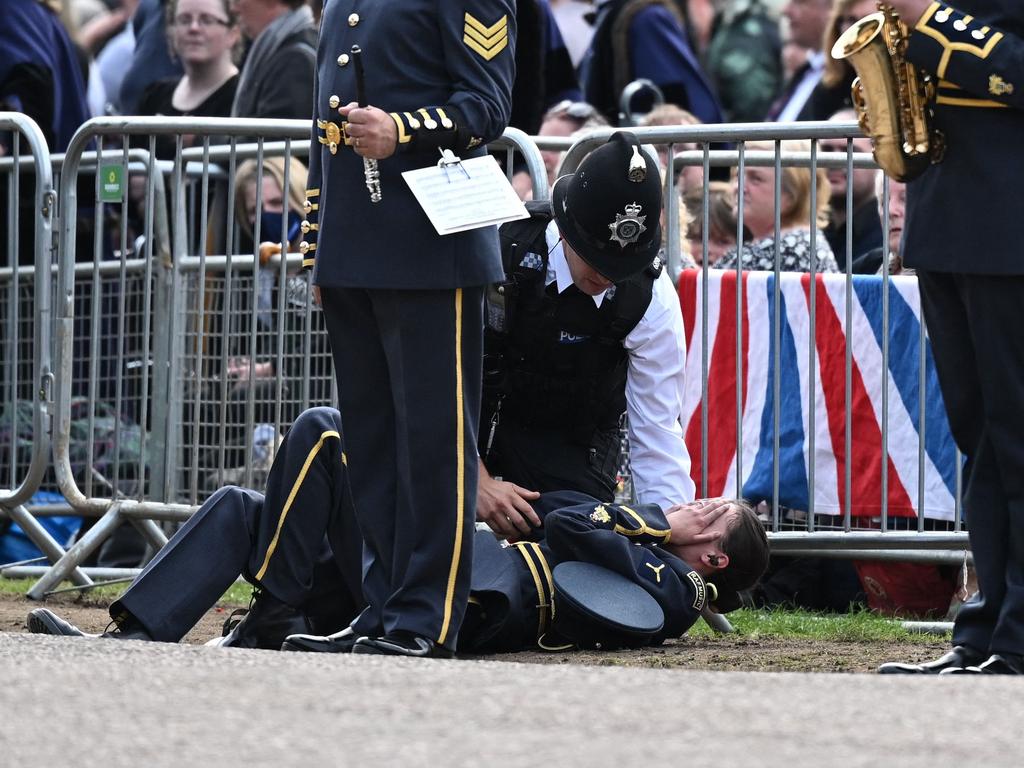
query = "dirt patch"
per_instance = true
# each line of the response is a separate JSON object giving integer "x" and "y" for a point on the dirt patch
{"x": 90, "y": 615}
{"x": 730, "y": 652}
{"x": 724, "y": 652}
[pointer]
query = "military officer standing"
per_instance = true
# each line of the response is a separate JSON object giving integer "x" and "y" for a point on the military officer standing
{"x": 402, "y": 305}
{"x": 963, "y": 235}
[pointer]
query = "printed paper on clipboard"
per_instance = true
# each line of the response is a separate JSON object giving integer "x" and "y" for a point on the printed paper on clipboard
{"x": 465, "y": 195}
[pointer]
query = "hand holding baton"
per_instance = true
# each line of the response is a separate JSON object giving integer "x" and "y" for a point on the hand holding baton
{"x": 370, "y": 170}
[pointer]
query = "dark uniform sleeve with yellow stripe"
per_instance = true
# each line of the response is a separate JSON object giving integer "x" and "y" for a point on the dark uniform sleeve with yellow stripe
{"x": 623, "y": 538}
{"x": 478, "y": 46}
{"x": 978, "y": 64}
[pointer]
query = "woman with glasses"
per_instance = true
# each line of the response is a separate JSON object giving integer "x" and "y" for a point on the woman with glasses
{"x": 204, "y": 36}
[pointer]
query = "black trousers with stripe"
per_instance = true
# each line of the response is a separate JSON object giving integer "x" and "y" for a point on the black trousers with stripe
{"x": 282, "y": 541}
{"x": 974, "y": 324}
{"x": 409, "y": 368}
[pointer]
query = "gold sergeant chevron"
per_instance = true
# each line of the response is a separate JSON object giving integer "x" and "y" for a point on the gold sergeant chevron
{"x": 486, "y": 41}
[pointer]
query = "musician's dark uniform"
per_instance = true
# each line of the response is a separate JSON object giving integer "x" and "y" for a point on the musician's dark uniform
{"x": 403, "y": 306}
{"x": 965, "y": 237}
{"x": 274, "y": 541}
{"x": 645, "y": 39}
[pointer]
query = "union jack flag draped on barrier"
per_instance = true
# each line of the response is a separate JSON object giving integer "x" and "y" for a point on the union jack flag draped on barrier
{"x": 828, "y": 380}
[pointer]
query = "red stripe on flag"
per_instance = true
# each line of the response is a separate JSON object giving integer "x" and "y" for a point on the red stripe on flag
{"x": 721, "y": 394}
{"x": 865, "y": 462}
{"x": 688, "y": 302}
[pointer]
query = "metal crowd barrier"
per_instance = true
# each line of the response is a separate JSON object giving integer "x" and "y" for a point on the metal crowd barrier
{"x": 157, "y": 399}
{"x": 26, "y": 375}
{"x": 168, "y": 385}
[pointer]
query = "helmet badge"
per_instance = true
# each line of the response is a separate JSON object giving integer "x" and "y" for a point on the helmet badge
{"x": 628, "y": 227}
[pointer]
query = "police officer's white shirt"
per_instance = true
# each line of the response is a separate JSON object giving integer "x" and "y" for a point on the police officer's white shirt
{"x": 659, "y": 461}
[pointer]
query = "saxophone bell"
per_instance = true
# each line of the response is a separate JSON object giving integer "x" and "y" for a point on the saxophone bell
{"x": 892, "y": 98}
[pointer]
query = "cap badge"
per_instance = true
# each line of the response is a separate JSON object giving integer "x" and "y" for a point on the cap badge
{"x": 637, "y": 166}
{"x": 628, "y": 227}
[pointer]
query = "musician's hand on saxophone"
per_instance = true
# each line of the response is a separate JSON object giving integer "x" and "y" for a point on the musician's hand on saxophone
{"x": 371, "y": 131}
{"x": 909, "y": 10}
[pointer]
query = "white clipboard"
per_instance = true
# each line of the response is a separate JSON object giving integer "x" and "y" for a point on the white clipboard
{"x": 458, "y": 195}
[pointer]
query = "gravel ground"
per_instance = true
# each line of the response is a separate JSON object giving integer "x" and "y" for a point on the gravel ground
{"x": 67, "y": 701}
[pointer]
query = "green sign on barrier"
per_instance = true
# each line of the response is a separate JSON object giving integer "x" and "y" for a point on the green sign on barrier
{"x": 112, "y": 178}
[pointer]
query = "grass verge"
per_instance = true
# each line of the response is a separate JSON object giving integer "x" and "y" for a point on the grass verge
{"x": 237, "y": 594}
{"x": 782, "y": 623}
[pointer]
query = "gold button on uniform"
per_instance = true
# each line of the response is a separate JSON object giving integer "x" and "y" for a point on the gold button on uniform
{"x": 353, "y": 19}
{"x": 343, "y": 60}
{"x": 304, "y": 226}
{"x": 334, "y": 101}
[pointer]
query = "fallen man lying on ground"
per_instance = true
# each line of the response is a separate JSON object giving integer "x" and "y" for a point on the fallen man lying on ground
{"x": 593, "y": 575}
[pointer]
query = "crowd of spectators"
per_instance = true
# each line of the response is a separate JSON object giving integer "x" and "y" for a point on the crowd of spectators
{"x": 708, "y": 61}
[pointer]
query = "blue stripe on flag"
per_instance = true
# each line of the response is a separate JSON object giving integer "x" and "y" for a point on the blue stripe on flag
{"x": 904, "y": 352}
{"x": 793, "y": 489}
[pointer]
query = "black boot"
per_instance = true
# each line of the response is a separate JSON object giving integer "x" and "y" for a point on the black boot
{"x": 265, "y": 625}
{"x": 996, "y": 664}
{"x": 43, "y": 621}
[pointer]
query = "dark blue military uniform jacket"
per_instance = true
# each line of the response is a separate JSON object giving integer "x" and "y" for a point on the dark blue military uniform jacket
{"x": 444, "y": 71}
{"x": 512, "y": 586}
{"x": 964, "y": 214}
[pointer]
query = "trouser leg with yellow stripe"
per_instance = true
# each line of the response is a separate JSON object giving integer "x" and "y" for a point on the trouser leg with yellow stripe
{"x": 277, "y": 541}
{"x": 409, "y": 366}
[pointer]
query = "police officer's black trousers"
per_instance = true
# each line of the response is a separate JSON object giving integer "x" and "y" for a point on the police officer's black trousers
{"x": 975, "y": 325}
{"x": 276, "y": 541}
{"x": 409, "y": 365}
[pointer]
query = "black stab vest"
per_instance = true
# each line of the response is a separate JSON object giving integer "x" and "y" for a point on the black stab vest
{"x": 556, "y": 361}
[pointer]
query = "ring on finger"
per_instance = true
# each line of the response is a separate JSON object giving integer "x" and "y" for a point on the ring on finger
{"x": 357, "y": 143}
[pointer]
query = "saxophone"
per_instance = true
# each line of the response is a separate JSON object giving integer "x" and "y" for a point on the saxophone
{"x": 892, "y": 98}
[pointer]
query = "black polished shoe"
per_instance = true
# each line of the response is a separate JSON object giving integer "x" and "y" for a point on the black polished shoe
{"x": 402, "y": 644}
{"x": 339, "y": 642}
{"x": 997, "y": 664}
{"x": 43, "y": 621}
{"x": 961, "y": 656}
{"x": 265, "y": 625}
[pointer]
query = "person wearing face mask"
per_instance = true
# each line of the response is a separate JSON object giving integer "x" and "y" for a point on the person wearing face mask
{"x": 264, "y": 228}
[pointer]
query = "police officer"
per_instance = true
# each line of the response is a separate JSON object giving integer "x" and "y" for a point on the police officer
{"x": 402, "y": 305}
{"x": 963, "y": 235}
{"x": 274, "y": 541}
{"x": 585, "y": 326}
{"x": 645, "y": 39}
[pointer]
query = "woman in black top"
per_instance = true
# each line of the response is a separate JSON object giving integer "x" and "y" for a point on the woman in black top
{"x": 204, "y": 35}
